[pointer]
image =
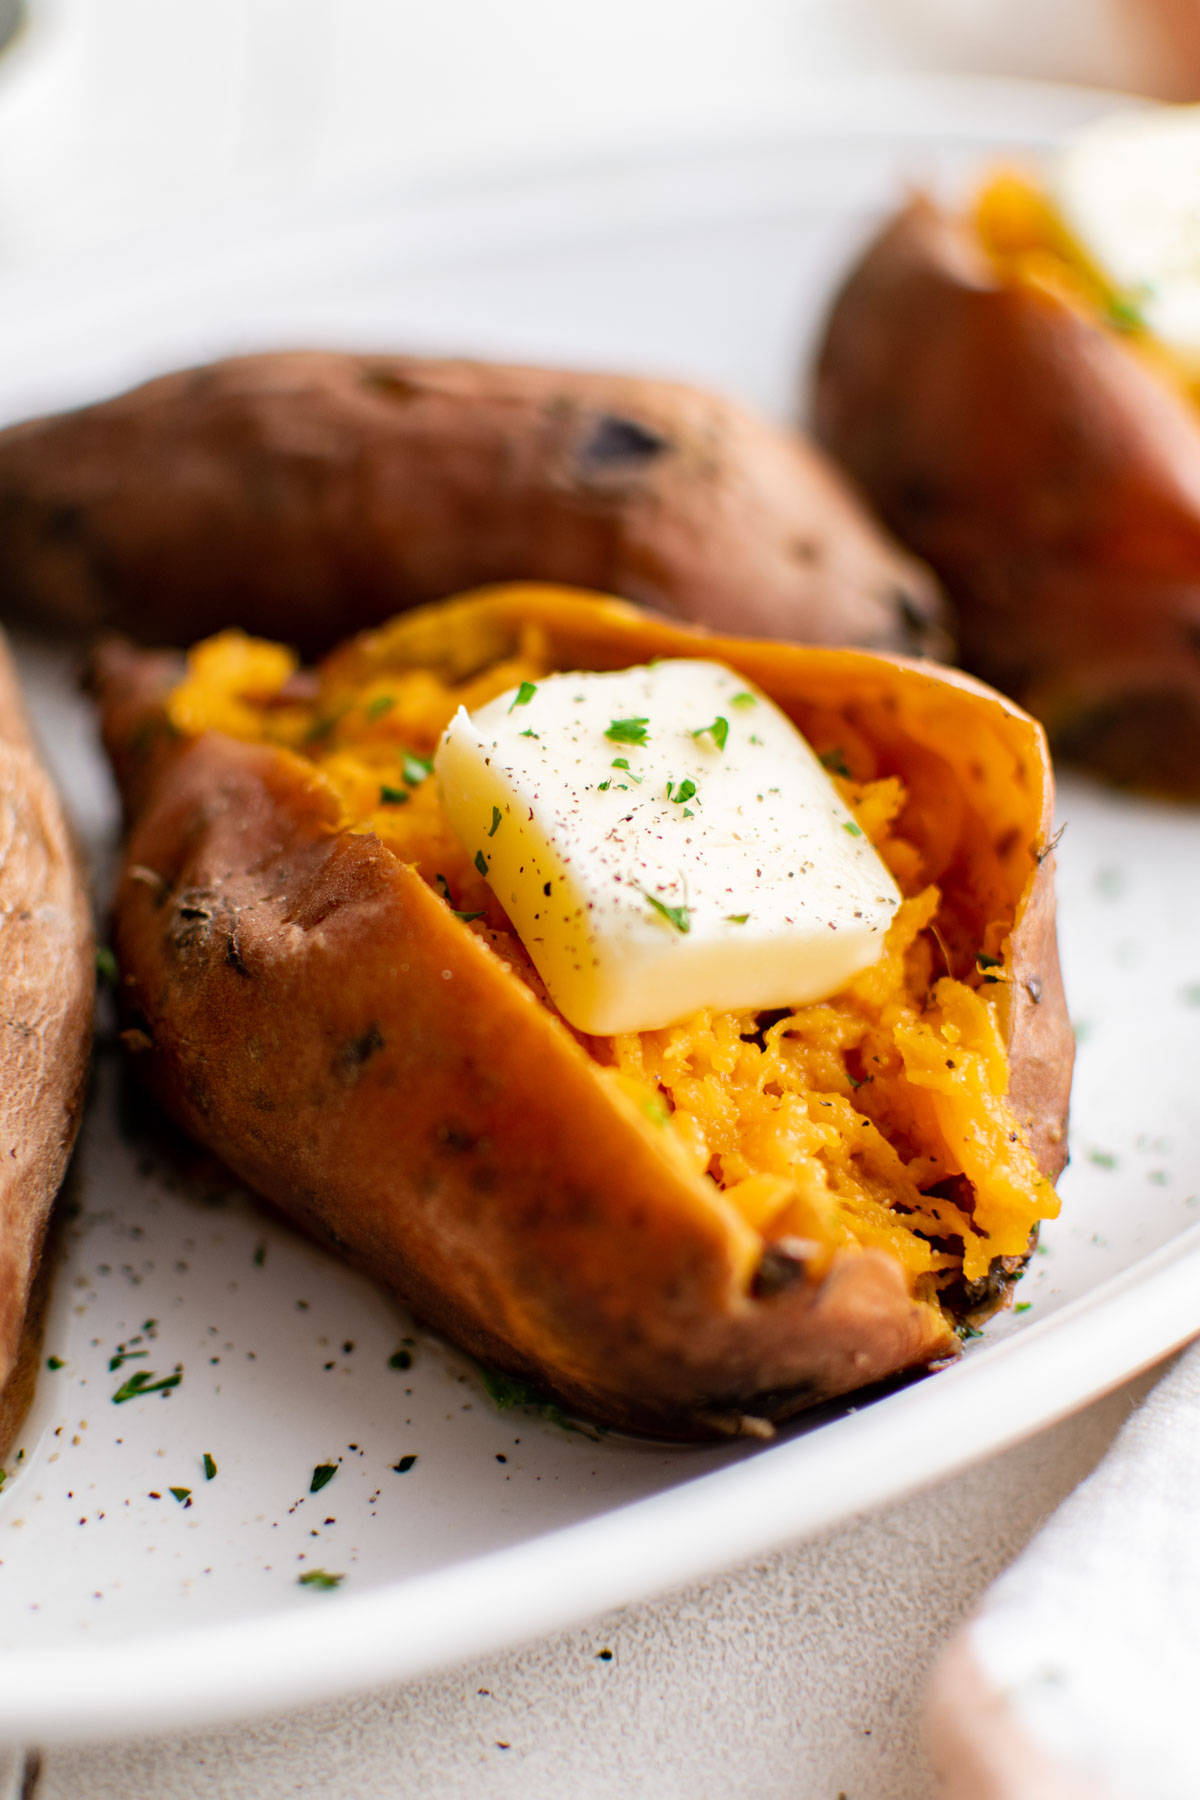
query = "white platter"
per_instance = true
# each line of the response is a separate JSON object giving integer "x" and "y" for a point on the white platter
{"x": 123, "y": 1608}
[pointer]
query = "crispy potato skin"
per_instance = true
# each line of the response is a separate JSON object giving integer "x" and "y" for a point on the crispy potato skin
{"x": 305, "y": 1005}
{"x": 47, "y": 986}
{"x": 304, "y": 496}
{"x": 1050, "y": 477}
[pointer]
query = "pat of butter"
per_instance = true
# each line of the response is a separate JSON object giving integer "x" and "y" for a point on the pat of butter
{"x": 1127, "y": 188}
{"x": 663, "y": 839}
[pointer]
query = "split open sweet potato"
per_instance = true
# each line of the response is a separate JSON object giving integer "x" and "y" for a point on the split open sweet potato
{"x": 1039, "y": 454}
{"x": 307, "y": 495}
{"x": 47, "y": 984}
{"x": 684, "y": 1232}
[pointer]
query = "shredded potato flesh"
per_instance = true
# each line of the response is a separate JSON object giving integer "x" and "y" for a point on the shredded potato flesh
{"x": 876, "y": 1118}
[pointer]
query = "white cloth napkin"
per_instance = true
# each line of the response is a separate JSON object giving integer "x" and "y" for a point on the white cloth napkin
{"x": 1079, "y": 1673}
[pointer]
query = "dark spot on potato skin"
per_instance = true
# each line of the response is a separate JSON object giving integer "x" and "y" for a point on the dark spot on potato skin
{"x": 455, "y": 1138}
{"x": 619, "y": 445}
{"x": 914, "y": 621}
{"x": 780, "y": 1266}
{"x": 353, "y": 1057}
{"x": 395, "y": 386}
{"x": 233, "y": 956}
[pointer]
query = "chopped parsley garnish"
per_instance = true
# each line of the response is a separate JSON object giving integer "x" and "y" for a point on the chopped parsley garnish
{"x": 210, "y": 1467}
{"x": 400, "y": 1359}
{"x": 55, "y": 1362}
{"x": 532, "y": 734}
{"x": 497, "y": 815}
{"x": 404, "y": 1465}
{"x": 718, "y": 731}
{"x": 393, "y": 796}
{"x": 183, "y": 1495}
{"x": 835, "y": 763}
{"x": 656, "y": 1109}
{"x": 1125, "y": 313}
{"x": 628, "y": 731}
{"x": 622, "y": 762}
{"x": 481, "y": 862}
{"x": 414, "y": 767}
{"x": 319, "y": 1578}
{"x": 144, "y": 1382}
{"x": 322, "y": 1475}
{"x": 966, "y": 1330}
{"x": 122, "y": 1355}
{"x": 684, "y": 790}
{"x": 674, "y": 915}
{"x": 736, "y": 918}
{"x": 602, "y": 787}
{"x": 508, "y": 1390}
{"x": 524, "y": 694}
{"x": 468, "y": 918}
{"x": 382, "y": 703}
{"x": 106, "y": 966}
{"x": 1022, "y": 1306}
{"x": 744, "y": 699}
{"x": 851, "y": 826}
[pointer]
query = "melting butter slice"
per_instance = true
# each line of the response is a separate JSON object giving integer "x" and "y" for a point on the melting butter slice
{"x": 663, "y": 839}
{"x": 1127, "y": 188}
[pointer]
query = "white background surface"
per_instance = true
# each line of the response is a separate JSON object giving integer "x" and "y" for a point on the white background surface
{"x": 121, "y": 117}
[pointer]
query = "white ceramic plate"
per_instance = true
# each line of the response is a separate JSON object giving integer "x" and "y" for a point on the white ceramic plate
{"x": 123, "y": 1606}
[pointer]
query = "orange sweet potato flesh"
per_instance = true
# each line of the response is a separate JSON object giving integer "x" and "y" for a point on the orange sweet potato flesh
{"x": 1048, "y": 474}
{"x": 306, "y": 495}
{"x": 310, "y": 1009}
{"x": 47, "y": 985}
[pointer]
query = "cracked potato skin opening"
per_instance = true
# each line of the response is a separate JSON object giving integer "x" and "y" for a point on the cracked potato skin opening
{"x": 306, "y": 1006}
{"x": 1048, "y": 475}
{"x": 306, "y": 495}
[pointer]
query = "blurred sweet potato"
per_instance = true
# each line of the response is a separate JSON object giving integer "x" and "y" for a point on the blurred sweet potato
{"x": 306, "y": 495}
{"x": 1047, "y": 471}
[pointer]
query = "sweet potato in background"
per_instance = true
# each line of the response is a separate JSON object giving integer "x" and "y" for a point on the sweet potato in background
{"x": 309, "y": 1008}
{"x": 1049, "y": 475}
{"x": 303, "y": 496}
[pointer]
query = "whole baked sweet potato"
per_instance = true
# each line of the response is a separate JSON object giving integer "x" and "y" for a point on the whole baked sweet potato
{"x": 318, "y": 985}
{"x": 307, "y": 495}
{"x": 47, "y": 984}
{"x": 1048, "y": 469}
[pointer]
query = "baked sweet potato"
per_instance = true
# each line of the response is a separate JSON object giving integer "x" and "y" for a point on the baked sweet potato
{"x": 1048, "y": 469}
{"x": 307, "y": 495}
{"x": 318, "y": 985}
{"x": 47, "y": 985}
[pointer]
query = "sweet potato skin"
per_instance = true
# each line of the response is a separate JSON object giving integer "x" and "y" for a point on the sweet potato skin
{"x": 1049, "y": 476}
{"x": 306, "y": 495}
{"x": 306, "y": 1006}
{"x": 47, "y": 987}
